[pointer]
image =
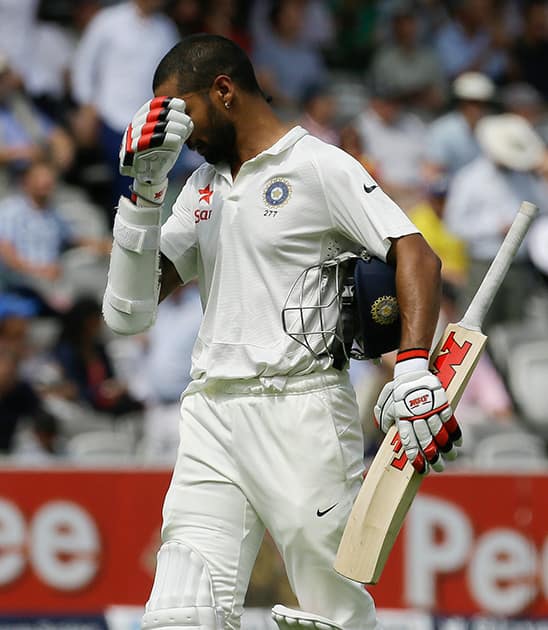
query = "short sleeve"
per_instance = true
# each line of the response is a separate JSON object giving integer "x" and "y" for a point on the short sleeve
{"x": 178, "y": 238}
{"x": 359, "y": 208}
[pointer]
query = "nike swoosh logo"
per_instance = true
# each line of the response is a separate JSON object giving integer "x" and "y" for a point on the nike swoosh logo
{"x": 324, "y": 512}
{"x": 369, "y": 189}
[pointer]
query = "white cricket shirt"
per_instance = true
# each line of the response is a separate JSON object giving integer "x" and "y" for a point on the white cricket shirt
{"x": 247, "y": 240}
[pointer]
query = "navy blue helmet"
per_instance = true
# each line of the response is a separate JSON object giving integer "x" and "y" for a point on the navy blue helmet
{"x": 376, "y": 312}
{"x": 345, "y": 307}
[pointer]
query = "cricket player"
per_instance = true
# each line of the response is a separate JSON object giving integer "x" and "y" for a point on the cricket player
{"x": 269, "y": 434}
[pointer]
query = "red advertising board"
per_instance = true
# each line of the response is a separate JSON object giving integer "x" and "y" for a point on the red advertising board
{"x": 471, "y": 544}
{"x": 77, "y": 541}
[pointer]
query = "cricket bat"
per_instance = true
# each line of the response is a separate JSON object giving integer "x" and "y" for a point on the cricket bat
{"x": 391, "y": 482}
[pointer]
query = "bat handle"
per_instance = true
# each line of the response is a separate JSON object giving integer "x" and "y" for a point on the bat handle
{"x": 484, "y": 296}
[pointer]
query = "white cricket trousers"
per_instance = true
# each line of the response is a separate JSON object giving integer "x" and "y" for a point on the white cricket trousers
{"x": 251, "y": 457}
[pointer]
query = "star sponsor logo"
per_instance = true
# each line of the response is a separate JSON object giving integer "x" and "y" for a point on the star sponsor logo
{"x": 205, "y": 194}
{"x": 201, "y": 214}
{"x": 277, "y": 192}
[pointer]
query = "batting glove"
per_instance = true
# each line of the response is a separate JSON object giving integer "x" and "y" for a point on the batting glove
{"x": 417, "y": 402}
{"x": 151, "y": 145}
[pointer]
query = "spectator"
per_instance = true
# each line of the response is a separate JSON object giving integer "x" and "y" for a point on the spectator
{"x": 474, "y": 39}
{"x": 319, "y": 109}
{"x": 187, "y": 15}
{"x": 394, "y": 137}
{"x": 85, "y": 364}
{"x": 318, "y": 26}
{"x": 354, "y": 40}
{"x": 40, "y": 440}
{"x": 15, "y": 314}
{"x": 226, "y": 17}
{"x": 351, "y": 142}
{"x": 428, "y": 217}
{"x": 530, "y": 50}
{"x": 286, "y": 66}
{"x": 112, "y": 73}
{"x": 414, "y": 68}
{"x": 33, "y": 237}
{"x": 429, "y": 14}
{"x": 26, "y": 135}
{"x": 483, "y": 200}
{"x": 19, "y": 402}
{"x": 27, "y": 428}
{"x": 538, "y": 250}
{"x": 47, "y": 81}
{"x": 451, "y": 140}
{"x": 17, "y": 21}
{"x": 524, "y": 100}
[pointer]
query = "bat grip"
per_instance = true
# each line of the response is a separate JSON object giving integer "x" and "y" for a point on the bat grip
{"x": 484, "y": 296}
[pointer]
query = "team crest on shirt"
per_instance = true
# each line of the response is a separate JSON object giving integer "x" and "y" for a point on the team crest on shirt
{"x": 277, "y": 192}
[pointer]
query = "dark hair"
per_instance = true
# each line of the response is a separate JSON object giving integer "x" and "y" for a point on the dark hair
{"x": 198, "y": 59}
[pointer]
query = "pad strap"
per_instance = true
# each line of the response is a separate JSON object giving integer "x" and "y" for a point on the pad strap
{"x": 135, "y": 238}
{"x": 129, "y": 307}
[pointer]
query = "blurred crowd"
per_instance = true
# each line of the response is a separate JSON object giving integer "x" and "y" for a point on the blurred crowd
{"x": 443, "y": 101}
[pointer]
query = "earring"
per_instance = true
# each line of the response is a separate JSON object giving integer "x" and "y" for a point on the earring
{"x": 227, "y": 104}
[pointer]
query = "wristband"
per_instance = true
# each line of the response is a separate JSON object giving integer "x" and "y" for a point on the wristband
{"x": 147, "y": 195}
{"x": 411, "y": 360}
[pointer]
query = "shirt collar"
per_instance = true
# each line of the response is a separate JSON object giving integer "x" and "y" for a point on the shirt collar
{"x": 285, "y": 142}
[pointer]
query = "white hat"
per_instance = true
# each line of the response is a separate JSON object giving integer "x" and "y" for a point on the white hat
{"x": 473, "y": 86}
{"x": 511, "y": 141}
{"x": 537, "y": 244}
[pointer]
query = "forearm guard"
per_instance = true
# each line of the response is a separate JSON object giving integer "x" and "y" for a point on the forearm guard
{"x": 131, "y": 296}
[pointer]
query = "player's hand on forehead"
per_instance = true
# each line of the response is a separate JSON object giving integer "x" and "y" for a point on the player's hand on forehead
{"x": 154, "y": 138}
{"x": 162, "y": 115}
{"x": 161, "y": 108}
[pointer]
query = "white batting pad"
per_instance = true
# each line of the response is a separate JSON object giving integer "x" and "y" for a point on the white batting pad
{"x": 182, "y": 595}
{"x": 292, "y": 619}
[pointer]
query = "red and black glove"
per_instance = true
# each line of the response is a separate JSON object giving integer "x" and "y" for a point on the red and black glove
{"x": 417, "y": 402}
{"x": 151, "y": 145}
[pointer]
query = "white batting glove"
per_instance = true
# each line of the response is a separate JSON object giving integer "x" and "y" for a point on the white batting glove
{"x": 417, "y": 402}
{"x": 151, "y": 145}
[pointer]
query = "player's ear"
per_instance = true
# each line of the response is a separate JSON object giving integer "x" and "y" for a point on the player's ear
{"x": 223, "y": 90}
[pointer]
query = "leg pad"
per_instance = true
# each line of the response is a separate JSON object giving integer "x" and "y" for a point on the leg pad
{"x": 182, "y": 595}
{"x": 293, "y": 619}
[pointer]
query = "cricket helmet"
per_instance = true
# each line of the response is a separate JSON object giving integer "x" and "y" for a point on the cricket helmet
{"x": 345, "y": 307}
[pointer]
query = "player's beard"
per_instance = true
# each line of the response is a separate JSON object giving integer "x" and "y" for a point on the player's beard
{"x": 221, "y": 138}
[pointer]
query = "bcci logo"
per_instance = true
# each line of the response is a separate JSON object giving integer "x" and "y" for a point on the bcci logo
{"x": 385, "y": 310}
{"x": 277, "y": 192}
